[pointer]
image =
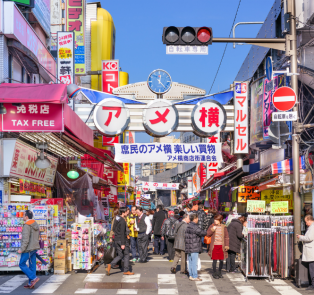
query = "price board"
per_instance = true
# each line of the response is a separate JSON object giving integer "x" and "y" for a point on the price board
{"x": 256, "y": 206}
{"x": 40, "y": 212}
{"x": 279, "y": 207}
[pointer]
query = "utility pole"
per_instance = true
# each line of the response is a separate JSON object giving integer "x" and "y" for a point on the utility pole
{"x": 291, "y": 49}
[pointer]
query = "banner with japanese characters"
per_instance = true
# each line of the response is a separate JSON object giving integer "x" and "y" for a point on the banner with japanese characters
{"x": 110, "y": 75}
{"x": 75, "y": 22}
{"x": 168, "y": 152}
{"x": 241, "y": 118}
{"x": 246, "y": 193}
{"x": 65, "y": 57}
{"x": 160, "y": 186}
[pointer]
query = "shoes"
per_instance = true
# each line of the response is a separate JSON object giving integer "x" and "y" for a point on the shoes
{"x": 310, "y": 288}
{"x": 195, "y": 279}
{"x": 128, "y": 273}
{"x": 173, "y": 270}
{"x": 220, "y": 275}
{"x": 33, "y": 283}
{"x": 170, "y": 260}
{"x": 27, "y": 286}
{"x": 108, "y": 270}
{"x": 138, "y": 260}
{"x": 134, "y": 260}
{"x": 215, "y": 275}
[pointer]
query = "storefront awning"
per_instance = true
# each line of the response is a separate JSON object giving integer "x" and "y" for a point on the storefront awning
{"x": 212, "y": 178}
{"x": 258, "y": 175}
{"x": 33, "y": 93}
{"x": 98, "y": 154}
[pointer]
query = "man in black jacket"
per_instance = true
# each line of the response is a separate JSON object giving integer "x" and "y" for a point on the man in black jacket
{"x": 158, "y": 220}
{"x": 121, "y": 242}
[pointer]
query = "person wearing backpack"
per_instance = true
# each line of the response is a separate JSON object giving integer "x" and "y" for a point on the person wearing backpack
{"x": 168, "y": 233}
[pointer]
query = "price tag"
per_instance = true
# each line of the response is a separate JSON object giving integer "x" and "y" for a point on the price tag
{"x": 279, "y": 207}
{"x": 255, "y": 206}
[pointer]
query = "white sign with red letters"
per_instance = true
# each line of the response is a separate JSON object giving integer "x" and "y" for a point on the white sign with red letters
{"x": 241, "y": 126}
{"x": 212, "y": 167}
{"x": 160, "y": 118}
{"x": 65, "y": 58}
{"x": 110, "y": 75}
{"x": 208, "y": 118}
{"x": 111, "y": 117}
{"x": 157, "y": 185}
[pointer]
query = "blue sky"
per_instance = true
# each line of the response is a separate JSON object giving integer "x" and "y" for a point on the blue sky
{"x": 139, "y": 46}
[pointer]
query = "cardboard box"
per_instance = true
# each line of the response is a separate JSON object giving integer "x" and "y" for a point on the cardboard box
{"x": 60, "y": 266}
{"x": 69, "y": 265}
{"x": 60, "y": 253}
{"x": 62, "y": 243}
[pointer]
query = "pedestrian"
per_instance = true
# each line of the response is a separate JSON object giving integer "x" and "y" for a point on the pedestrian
{"x": 308, "y": 246}
{"x": 144, "y": 228}
{"x": 219, "y": 245}
{"x": 121, "y": 242}
{"x": 179, "y": 245}
{"x": 188, "y": 208}
{"x": 195, "y": 207}
{"x": 167, "y": 233}
{"x": 29, "y": 247}
{"x": 235, "y": 229}
{"x": 193, "y": 245}
{"x": 209, "y": 220}
{"x": 111, "y": 235}
{"x": 181, "y": 213}
{"x": 158, "y": 220}
{"x": 201, "y": 219}
{"x": 133, "y": 234}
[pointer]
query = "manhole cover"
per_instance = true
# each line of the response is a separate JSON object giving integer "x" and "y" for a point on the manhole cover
{"x": 151, "y": 286}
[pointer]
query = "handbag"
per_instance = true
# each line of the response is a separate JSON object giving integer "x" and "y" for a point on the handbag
{"x": 109, "y": 253}
{"x": 207, "y": 240}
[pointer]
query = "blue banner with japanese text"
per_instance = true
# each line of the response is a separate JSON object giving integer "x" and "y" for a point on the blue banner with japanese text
{"x": 168, "y": 152}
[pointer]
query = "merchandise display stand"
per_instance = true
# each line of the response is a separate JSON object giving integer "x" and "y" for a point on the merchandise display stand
{"x": 11, "y": 227}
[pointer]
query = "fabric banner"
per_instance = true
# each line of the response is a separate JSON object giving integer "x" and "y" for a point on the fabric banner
{"x": 286, "y": 166}
{"x": 170, "y": 152}
{"x": 161, "y": 186}
{"x": 173, "y": 198}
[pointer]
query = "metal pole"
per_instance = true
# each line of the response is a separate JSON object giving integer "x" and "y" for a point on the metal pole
{"x": 292, "y": 39}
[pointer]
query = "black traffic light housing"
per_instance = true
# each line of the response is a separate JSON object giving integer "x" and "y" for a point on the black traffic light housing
{"x": 187, "y": 35}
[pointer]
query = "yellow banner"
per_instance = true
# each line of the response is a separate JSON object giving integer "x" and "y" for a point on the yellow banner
{"x": 173, "y": 198}
{"x": 124, "y": 177}
{"x": 270, "y": 195}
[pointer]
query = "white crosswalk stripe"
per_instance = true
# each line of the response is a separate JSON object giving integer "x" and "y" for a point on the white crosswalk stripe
{"x": 129, "y": 279}
{"x": 13, "y": 284}
{"x": 283, "y": 288}
{"x": 206, "y": 286}
{"x": 244, "y": 288}
{"x": 52, "y": 284}
{"x": 164, "y": 280}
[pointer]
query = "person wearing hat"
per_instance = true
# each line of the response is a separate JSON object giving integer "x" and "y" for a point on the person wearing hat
{"x": 166, "y": 233}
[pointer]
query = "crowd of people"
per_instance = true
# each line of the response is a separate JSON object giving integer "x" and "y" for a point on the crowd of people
{"x": 183, "y": 234}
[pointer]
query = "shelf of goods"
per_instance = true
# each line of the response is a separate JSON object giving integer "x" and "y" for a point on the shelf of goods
{"x": 47, "y": 238}
{"x": 83, "y": 245}
{"x": 268, "y": 250}
{"x": 101, "y": 236}
{"x": 11, "y": 227}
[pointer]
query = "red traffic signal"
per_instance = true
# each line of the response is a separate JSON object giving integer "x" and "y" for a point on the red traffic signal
{"x": 187, "y": 35}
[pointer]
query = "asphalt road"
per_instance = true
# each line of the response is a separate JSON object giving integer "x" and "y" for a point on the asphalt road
{"x": 153, "y": 277}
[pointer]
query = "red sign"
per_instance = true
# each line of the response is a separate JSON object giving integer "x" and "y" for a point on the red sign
{"x": 284, "y": 98}
{"x": 33, "y": 117}
{"x": 109, "y": 141}
{"x": 110, "y": 75}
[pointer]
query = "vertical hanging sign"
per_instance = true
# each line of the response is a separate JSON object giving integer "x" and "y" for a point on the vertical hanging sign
{"x": 212, "y": 167}
{"x": 241, "y": 134}
{"x": 65, "y": 58}
{"x": 110, "y": 75}
{"x": 76, "y": 23}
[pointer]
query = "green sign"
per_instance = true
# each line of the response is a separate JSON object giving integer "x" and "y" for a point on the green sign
{"x": 279, "y": 207}
{"x": 27, "y": 3}
{"x": 255, "y": 206}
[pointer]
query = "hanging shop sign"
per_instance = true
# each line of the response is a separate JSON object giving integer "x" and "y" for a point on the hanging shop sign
{"x": 109, "y": 141}
{"x": 212, "y": 167}
{"x": 279, "y": 207}
{"x": 161, "y": 186}
{"x": 111, "y": 117}
{"x": 241, "y": 117}
{"x": 246, "y": 193}
{"x": 105, "y": 204}
{"x": 173, "y": 198}
{"x": 190, "y": 187}
{"x": 75, "y": 17}
{"x": 138, "y": 198}
{"x": 23, "y": 165}
{"x": 160, "y": 118}
{"x": 126, "y": 171}
{"x": 170, "y": 152}
{"x": 110, "y": 75}
{"x": 208, "y": 118}
{"x": 255, "y": 206}
{"x": 33, "y": 117}
{"x": 276, "y": 195}
{"x": 65, "y": 57}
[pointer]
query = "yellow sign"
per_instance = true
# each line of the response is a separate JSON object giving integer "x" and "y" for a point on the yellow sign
{"x": 121, "y": 189}
{"x": 270, "y": 195}
{"x": 173, "y": 198}
{"x": 124, "y": 177}
{"x": 279, "y": 207}
{"x": 65, "y": 53}
{"x": 246, "y": 193}
{"x": 55, "y": 210}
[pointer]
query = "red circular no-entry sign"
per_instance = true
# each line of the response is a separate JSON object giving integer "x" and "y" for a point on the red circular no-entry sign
{"x": 284, "y": 98}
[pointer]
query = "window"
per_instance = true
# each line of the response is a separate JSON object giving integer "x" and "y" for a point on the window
{"x": 17, "y": 72}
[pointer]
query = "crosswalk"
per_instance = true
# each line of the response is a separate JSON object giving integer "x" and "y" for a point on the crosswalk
{"x": 168, "y": 284}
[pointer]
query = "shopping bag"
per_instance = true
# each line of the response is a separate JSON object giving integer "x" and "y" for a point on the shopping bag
{"x": 207, "y": 240}
{"x": 109, "y": 253}
{"x": 199, "y": 266}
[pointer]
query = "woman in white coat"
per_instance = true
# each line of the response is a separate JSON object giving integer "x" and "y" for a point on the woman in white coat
{"x": 308, "y": 247}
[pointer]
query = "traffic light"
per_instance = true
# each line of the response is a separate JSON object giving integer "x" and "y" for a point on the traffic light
{"x": 187, "y": 35}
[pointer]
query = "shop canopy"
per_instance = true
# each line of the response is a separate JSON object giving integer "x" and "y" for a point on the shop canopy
{"x": 222, "y": 98}
{"x": 95, "y": 96}
{"x": 96, "y": 153}
{"x": 33, "y": 93}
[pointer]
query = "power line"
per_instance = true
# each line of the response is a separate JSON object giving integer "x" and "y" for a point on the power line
{"x": 225, "y": 48}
